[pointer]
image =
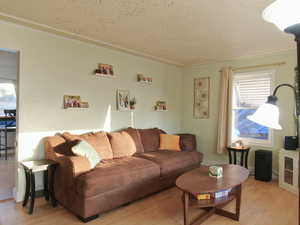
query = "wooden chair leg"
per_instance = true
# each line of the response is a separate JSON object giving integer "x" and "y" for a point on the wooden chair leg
{"x": 5, "y": 141}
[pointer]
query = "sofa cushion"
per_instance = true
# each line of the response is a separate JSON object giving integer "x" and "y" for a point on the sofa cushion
{"x": 169, "y": 142}
{"x": 172, "y": 162}
{"x": 97, "y": 140}
{"x": 57, "y": 146}
{"x": 122, "y": 144}
{"x": 115, "y": 174}
{"x": 188, "y": 142}
{"x": 150, "y": 138}
{"x": 136, "y": 137}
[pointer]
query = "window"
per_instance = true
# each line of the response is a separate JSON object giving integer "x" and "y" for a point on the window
{"x": 249, "y": 91}
{"x": 7, "y": 95}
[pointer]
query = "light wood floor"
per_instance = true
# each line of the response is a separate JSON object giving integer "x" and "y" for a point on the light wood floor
{"x": 7, "y": 176}
{"x": 262, "y": 204}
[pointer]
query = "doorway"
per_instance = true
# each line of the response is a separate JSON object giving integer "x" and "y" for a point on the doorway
{"x": 9, "y": 66}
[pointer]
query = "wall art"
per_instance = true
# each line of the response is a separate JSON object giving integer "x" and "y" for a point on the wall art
{"x": 123, "y": 99}
{"x": 201, "y": 97}
{"x": 74, "y": 101}
{"x": 104, "y": 70}
{"x": 143, "y": 79}
{"x": 160, "y": 106}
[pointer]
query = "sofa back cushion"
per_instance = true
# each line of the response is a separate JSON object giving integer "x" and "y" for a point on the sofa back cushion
{"x": 57, "y": 146}
{"x": 150, "y": 138}
{"x": 188, "y": 142}
{"x": 135, "y": 135}
{"x": 122, "y": 144}
{"x": 99, "y": 141}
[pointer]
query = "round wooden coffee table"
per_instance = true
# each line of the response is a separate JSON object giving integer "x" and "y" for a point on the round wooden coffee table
{"x": 198, "y": 181}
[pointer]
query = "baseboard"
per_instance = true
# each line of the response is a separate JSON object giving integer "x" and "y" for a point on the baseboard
{"x": 39, "y": 192}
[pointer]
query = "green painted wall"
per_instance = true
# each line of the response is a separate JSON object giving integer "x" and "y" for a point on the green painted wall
{"x": 206, "y": 129}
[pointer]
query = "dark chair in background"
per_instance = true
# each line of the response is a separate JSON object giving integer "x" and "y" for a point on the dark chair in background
{"x": 8, "y": 125}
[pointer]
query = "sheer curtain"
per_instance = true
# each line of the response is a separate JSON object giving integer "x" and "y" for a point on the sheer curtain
{"x": 224, "y": 110}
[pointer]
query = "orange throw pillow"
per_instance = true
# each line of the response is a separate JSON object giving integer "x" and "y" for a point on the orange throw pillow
{"x": 169, "y": 142}
{"x": 98, "y": 140}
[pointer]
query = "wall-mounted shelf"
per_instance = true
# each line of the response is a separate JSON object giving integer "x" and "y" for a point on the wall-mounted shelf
{"x": 160, "y": 110}
{"x": 104, "y": 75}
{"x": 74, "y": 108}
{"x": 145, "y": 82}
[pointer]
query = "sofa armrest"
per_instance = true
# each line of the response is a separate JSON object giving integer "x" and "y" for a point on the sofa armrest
{"x": 188, "y": 142}
{"x": 73, "y": 165}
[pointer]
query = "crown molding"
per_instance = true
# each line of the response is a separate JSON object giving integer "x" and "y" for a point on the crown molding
{"x": 82, "y": 38}
{"x": 261, "y": 54}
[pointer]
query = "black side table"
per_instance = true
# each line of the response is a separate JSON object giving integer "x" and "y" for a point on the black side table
{"x": 243, "y": 152}
{"x": 31, "y": 167}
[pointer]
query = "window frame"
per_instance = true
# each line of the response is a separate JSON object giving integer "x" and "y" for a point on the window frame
{"x": 251, "y": 141}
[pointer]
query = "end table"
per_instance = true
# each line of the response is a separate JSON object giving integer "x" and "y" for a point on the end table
{"x": 244, "y": 151}
{"x": 31, "y": 167}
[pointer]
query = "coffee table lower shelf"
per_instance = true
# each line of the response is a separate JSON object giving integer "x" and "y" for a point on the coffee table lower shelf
{"x": 212, "y": 206}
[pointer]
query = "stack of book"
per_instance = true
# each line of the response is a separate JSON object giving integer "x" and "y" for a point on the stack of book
{"x": 216, "y": 195}
{"x": 222, "y": 193}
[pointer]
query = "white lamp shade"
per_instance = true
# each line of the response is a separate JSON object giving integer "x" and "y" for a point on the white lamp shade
{"x": 283, "y": 13}
{"x": 267, "y": 115}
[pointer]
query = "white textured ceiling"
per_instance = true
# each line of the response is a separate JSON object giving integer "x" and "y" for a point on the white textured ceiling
{"x": 179, "y": 31}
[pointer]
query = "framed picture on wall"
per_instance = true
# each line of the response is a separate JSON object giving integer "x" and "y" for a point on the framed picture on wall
{"x": 71, "y": 101}
{"x": 201, "y": 97}
{"x": 105, "y": 70}
{"x": 123, "y": 99}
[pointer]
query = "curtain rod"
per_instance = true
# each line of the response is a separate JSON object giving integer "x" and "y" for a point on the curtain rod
{"x": 257, "y": 66}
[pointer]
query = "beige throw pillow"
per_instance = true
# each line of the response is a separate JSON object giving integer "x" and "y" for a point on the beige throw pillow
{"x": 84, "y": 149}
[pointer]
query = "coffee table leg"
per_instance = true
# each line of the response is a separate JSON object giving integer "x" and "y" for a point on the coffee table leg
{"x": 238, "y": 201}
{"x": 185, "y": 208}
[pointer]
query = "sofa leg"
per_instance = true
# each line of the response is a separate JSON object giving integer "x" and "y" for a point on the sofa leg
{"x": 88, "y": 219}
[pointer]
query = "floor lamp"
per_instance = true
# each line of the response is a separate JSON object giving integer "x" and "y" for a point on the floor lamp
{"x": 285, "y": 14}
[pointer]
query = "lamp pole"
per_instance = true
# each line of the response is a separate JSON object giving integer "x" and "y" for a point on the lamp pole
{"x": 285, "y": 15}
{"x": 295, "y": 29}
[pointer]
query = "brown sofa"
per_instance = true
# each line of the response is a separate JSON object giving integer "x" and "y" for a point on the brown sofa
{"x": 116, "y": 180}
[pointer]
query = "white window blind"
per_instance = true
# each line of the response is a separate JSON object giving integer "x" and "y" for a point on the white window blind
{"x": 251, "y": 90}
